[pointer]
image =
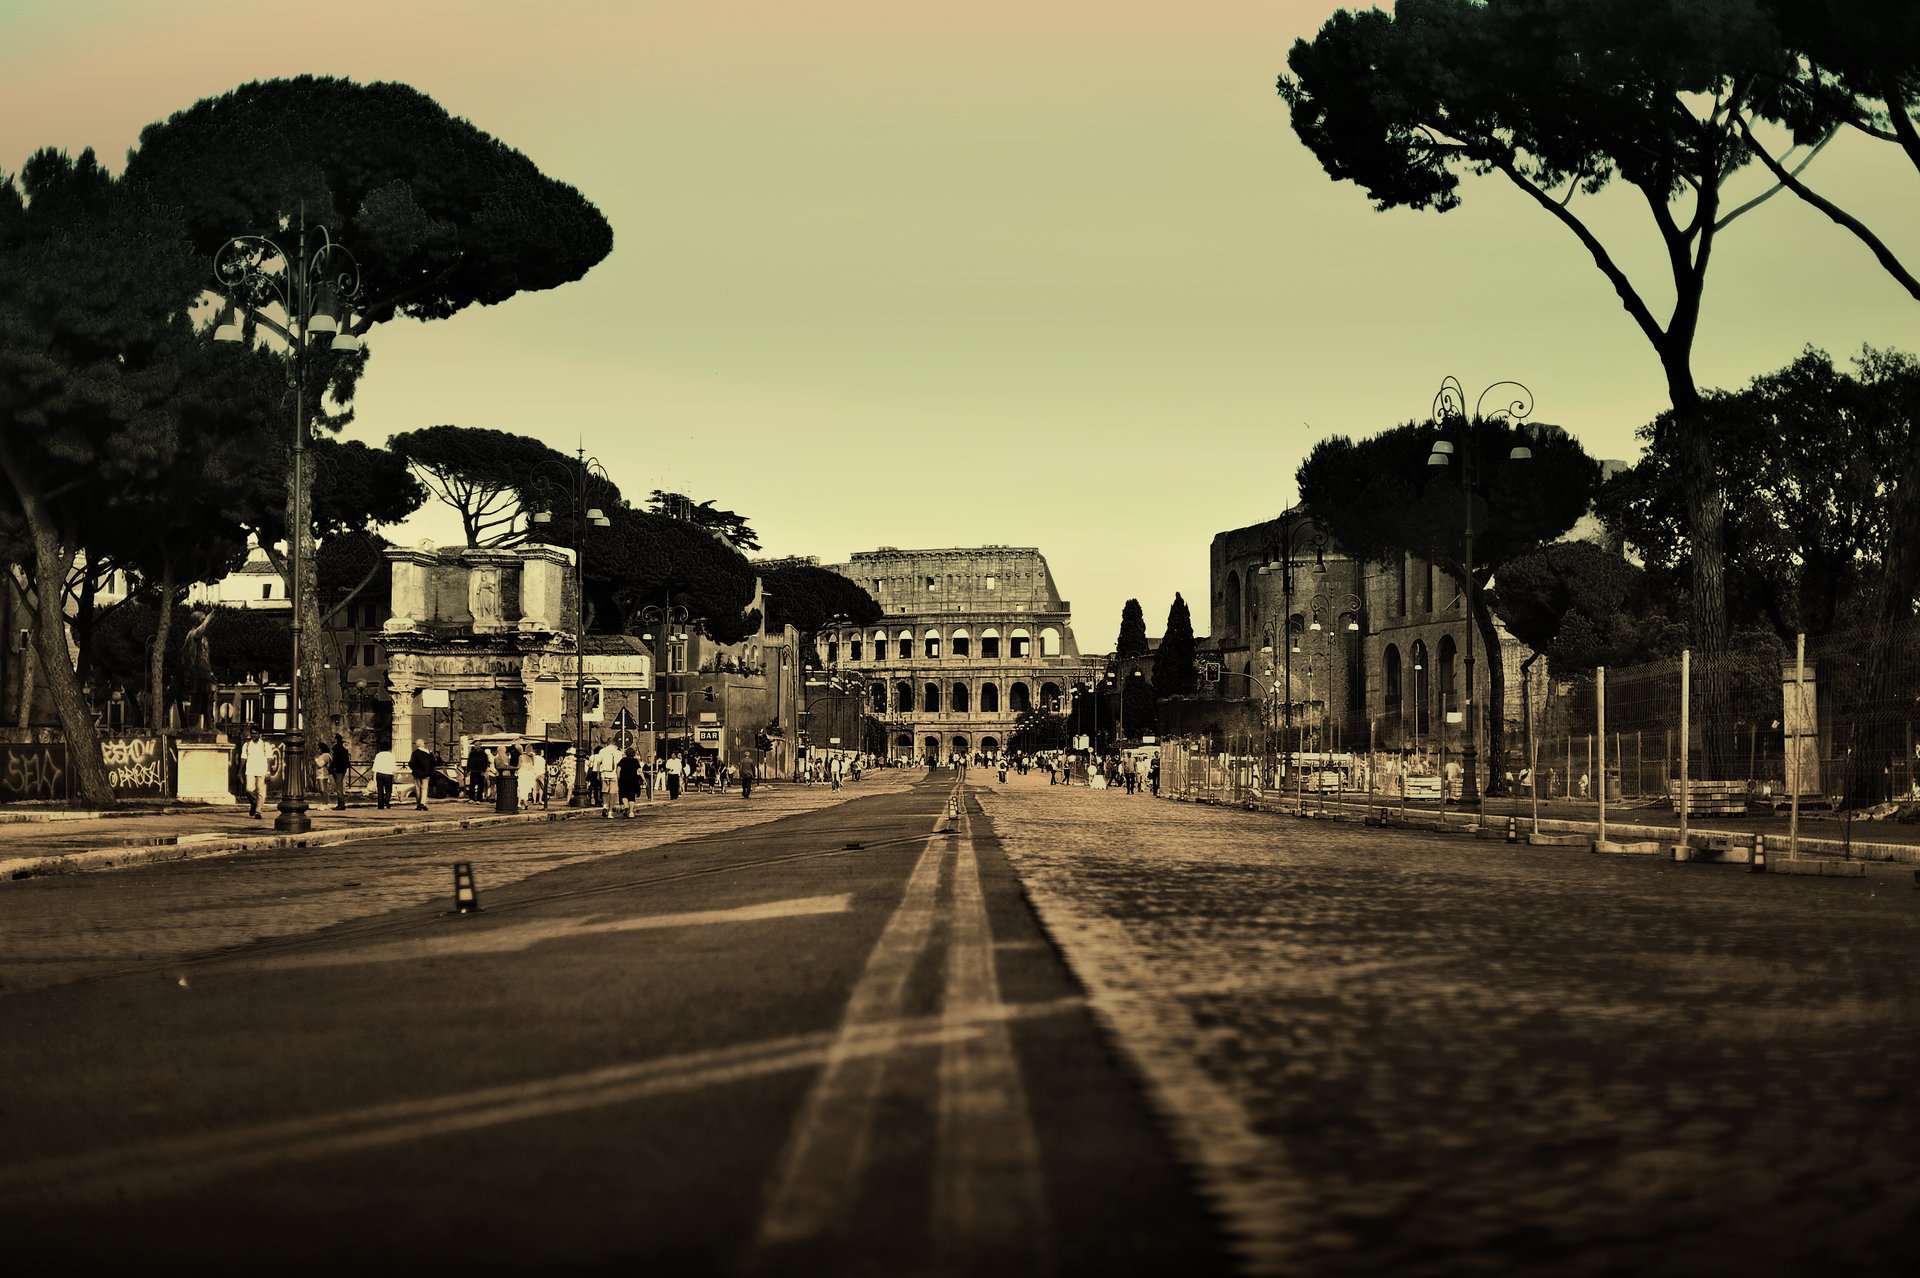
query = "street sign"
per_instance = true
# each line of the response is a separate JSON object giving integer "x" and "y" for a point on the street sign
{"x": 833, "y": 740}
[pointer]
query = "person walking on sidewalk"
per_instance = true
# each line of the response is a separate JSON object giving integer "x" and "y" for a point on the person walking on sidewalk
{"x": 255, "y": 761}
{"x": 384, "y": 766}
{"x": 420, "y": 765}
{"x": 629, "y": 767}
{"x": 606, "y": 766}
{"x": 673, "y": 776}
{"x": 338, "y": 761}
{"x": 746, "y": 779}
{"x": 477, "y": 765}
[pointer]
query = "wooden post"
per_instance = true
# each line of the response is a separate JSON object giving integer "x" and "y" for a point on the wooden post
{"x": 1600, "y": 697}
{"x": 1793, "y": 765}
{"x": 1686, "y": 698}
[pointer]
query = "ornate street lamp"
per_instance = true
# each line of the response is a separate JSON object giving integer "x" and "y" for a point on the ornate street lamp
{"x": 1297, "y": 535}
{"x": 313, "y": 290}
{"x": 557, "y": 479}
{"x": 1450, "y": 407}
{"x": 666, "y": 623}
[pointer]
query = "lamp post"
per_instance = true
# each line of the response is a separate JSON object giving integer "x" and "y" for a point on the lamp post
{"x": 313, "y": 289}
{"x": 571, "y": 482}
{"x": 665, "y": 623}
{"x": 1335, "y": 607}
{"x": 1297, "y": 534}
{"x": 1449, "y": 407}
{"x": 838, "y": 687}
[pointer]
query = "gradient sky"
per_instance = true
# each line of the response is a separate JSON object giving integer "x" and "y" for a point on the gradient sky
{"x": 931, "y": 272}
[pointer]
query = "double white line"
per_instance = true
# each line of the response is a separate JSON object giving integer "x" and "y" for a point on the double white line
{"x": 989, "y": 1204}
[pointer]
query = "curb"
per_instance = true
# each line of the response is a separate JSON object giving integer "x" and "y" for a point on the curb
{"x": 121, "y": 858}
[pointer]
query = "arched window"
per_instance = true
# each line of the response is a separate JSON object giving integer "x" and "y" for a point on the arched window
{"x": 904, "y": 645}
{"x": 903, "y": 742}
{"x": 990, "y": 644}
{"x": 958, "y": 699}
{"x": 1230, "y": 613}
{"x": 903, "y": 697}
{"x": 959, "y": 642}
{"x": 1019, "y": 645}
{"x": 880, "y": 647}
{"x": 1050, "y": 695}
{"x": 833, "y": 653}
{"x": 989, "y": 698}
{"x": 1449, "y": 698}
{"x": 932, "y": 641}
{"x": 930, "y": 701}
{"x": 1049, "y": 642}
{"x": 930, "y": 747}
{"x": 853, "y": 648}
{"x": 1390, "y": 675}
{"x": 877, "y": 699}
{"x": 1017, "y": 699}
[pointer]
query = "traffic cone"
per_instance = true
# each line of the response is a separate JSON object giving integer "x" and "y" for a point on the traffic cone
{"x": 465, "y": 899}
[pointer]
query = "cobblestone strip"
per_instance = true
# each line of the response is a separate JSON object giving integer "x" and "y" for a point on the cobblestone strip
{"x": 1243, "y": 1176}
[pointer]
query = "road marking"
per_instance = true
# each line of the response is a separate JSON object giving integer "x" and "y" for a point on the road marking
{"x": 825, "y": 1160}
{"x": 510, "y": 938}
{"x": 166, "y": 1167}
{"x": 989, "y": 1203}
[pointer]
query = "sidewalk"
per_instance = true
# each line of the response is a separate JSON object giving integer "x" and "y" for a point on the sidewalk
{"x": 67, "y": 842}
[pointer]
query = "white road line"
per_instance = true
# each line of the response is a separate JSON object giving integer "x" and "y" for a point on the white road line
{"x": 821, "y": 1172}
{"x": 507, "y": 939}
{"x": 164, "y": 1167}
{"x": 989, "y": 1202}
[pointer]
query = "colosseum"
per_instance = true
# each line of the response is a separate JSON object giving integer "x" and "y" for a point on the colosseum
{"x": 968, "y": 640}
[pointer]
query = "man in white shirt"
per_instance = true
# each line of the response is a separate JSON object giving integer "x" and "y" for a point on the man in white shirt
{"x": 606, "y": 763}
{"x": 673, "y": 776}
{"x": 255, "y": 762}
{"x": 385, "y": 766}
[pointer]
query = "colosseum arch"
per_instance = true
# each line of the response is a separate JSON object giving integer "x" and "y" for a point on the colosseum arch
{"x": 958, "y": 699}
{"x": 989, "y": 698}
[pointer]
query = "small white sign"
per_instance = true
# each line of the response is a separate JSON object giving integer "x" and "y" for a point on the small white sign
{"x": 433, "y": 698}
{"x": 833, "y": 740}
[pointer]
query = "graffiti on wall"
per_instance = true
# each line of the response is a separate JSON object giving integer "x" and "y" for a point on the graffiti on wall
{"x": 32, "y": 770}
{"x": 136, "y": 766}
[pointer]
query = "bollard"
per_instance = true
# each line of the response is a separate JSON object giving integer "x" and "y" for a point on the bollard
{"x": 1757, "y": 861}
{"x": 465, "y": 899}
{"x": 506, "y": 791}
{"x": 1513, "y": 829}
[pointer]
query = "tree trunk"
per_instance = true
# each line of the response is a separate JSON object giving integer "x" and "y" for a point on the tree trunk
{"x": 157, "y": 659}
{"x": 51, "y": 563}
{"x": 1706, "y": 522}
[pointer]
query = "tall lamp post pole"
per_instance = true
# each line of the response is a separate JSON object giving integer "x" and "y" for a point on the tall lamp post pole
{"x": 1296, "y": 535}
{"x": 660, "y": 620}
{"x": 572, "y": 481}
{"x": 1450, "y": 407}
{"x": 313, "y": 290}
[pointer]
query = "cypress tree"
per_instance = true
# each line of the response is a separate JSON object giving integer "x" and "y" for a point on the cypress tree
{"x": 1133, "y": 632}
{"x": 1173, "y": 674}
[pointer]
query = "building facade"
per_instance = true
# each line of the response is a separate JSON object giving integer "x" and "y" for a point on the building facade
{"x": 968, "y": 640}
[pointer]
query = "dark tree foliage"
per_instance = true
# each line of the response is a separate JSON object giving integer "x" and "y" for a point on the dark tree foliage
{"x": 732, "y": 526}
{"x": 1173, "y": 672}
{"x": 804, "y": 596}
{"x": 1584, "y": 606}
{"x": 440, "y": 215}
{"x": 92, "y": 275}
{"x": 1560, "y": 97}
{"x": 1142, "y": 707}
{"x": 646, "y": 559}
{"x": 1133, "y": 632}
{"x": 1038, "y": 729}
{"x": 1820, "y": 536}
{"x": 491, "y": 478}
{"x": 1379, "y": 496}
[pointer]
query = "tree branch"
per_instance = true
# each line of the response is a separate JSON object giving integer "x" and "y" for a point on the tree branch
{"x": 1777, "y": 187}
{"x": 1903, "y": 128}
{"x": 1834, "y": 212}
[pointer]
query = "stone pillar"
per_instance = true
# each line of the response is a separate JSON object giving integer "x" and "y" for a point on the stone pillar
{"x": 402, "y": 684}
{"x": 411, "y": 602}
{"x": 544, "y": 571}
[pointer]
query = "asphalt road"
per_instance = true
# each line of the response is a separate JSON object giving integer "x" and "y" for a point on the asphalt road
{"x": 750, "y": 1050}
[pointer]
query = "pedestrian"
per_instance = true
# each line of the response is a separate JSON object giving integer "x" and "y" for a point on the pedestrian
{"x": 255, "y": 762}
{"x": 674, "y": 772}
{"x": 746, "y": 780}
{"x": 420, "y": 765}
{"x": 338, "y": 761}
{"x": 384, "y": 766}
{"x": 477, "y": 764}
{"x": 1153, "y": 778}
{"x": 629, "y": 781}
{"x": 606, "y": 766}
{"x": 532, "y": 775}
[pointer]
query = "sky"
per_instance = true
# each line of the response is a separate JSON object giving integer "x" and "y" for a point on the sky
{"x": 923, "y": 273}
